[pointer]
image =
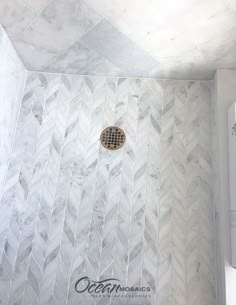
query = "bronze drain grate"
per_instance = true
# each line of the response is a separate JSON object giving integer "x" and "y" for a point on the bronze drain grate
{"x": 112, "y": 138}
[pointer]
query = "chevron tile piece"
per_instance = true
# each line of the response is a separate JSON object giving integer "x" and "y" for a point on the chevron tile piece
{"x": 142, "y": 214}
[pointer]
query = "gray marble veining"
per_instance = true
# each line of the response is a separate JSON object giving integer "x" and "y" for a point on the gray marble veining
{"x": 142, "y": 214}
{"x": 60, "y": 25}
{"x": 12, "y": 80}
{"x": 184, "y": 40}
{"x": 15, "y": 17}
{"x": 36, "y": 5}
{"x": 109, "y": 42}
{"x": 82, "y": 61}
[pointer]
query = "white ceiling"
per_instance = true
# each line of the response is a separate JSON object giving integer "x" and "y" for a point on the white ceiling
{"x": 162, "y": 38}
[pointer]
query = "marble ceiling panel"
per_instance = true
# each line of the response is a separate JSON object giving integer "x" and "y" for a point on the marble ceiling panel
{"x": 59, "y": 26}
{"x": 170, "y": 39}
{"x": 109, "y": 42}
{"x": 82, "y": 61}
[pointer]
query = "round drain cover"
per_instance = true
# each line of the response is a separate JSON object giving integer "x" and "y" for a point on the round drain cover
{"x": 112, "y": 138}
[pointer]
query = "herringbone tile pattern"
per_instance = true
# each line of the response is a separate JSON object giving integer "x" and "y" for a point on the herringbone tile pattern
{"x": 142, "y": 214}
{"x": 12, "y": 80}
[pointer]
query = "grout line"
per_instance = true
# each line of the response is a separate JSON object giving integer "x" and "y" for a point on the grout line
{"x": 30, "y": 24}
{"x": 99, "y": 55}
{"x": 9, "y": 41}
{"x": 65, "y": 50}
{"x": 54, "y": 58}
{"x": 84, "y": 34}
{"x": 27, "y": 6}
{"x": 93, "y": 26}
{"x": 140, "y": 48}
{"x": 91, "y": 50}
{"x": 119, "y": 29}
{"x": 121, "y": 77}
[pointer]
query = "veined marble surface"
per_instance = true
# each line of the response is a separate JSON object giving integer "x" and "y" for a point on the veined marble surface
{"x": 15, "y": 17}
{"x": 108, "y": 41}
{"x": 185, "y": 39}
{"x": 12, "y": 80}
{"x": 82, "y": 60}
{"x": 60, "y": 25}
{"x": 142, "y": 214}
{"x": 36, "y": 5}
{"x": 10, "y": 62}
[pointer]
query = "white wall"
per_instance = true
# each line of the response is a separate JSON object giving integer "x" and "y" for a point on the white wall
{"x": 225, "y": 89}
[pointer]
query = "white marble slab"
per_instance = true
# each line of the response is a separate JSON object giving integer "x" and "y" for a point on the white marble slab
{"x": 82, "y": 61}
{"x": 162, "y": 31}
{"x": 109, "y": 42}
{"x": 60, "y": 25}
{"x": 147, "y": 21}
{"x": 36, "y": 5}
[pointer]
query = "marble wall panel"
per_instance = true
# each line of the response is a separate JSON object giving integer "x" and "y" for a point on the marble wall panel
{"x": 12, "y": 79}
{"x": 142, "y": 214}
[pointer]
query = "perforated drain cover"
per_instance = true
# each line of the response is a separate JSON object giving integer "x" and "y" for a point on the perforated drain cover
{"x": 112, "y": 138}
